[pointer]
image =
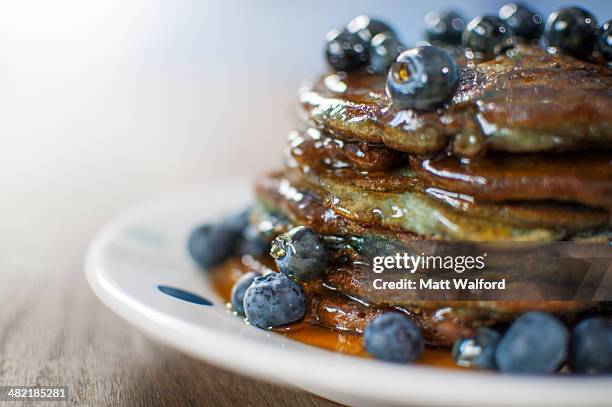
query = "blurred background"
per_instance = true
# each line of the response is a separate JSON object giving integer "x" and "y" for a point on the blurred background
{"x": 106, "y": 103}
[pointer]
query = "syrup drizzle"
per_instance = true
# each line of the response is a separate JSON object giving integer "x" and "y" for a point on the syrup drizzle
{"x": 224, "y": 277}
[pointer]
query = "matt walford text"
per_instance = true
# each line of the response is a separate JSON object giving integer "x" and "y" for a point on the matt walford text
{"x": 412, "y": 264}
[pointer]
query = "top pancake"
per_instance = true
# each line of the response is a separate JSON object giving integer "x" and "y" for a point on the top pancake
{"x": 523, "y": 102}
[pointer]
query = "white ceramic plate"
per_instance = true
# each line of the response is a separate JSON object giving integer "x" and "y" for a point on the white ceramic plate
{"x": 145, "y": 248}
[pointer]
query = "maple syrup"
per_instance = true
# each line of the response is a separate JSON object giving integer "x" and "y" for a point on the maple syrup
{"x": 224, "y": 277}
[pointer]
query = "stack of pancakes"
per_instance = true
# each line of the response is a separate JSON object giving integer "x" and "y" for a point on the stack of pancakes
{"x": 520, "y": 153}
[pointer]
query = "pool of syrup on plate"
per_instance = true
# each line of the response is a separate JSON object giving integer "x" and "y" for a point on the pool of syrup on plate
{"x": 224, "y": 277}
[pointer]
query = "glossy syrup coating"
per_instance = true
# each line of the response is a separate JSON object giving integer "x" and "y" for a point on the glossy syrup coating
{"x": 317, "y": 148}
{"x": 583, "y": 177}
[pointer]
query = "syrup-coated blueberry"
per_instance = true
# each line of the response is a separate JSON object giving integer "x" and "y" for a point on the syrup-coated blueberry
{"x": 392, "y": 337}
{"x": 445, "y": 26}
{"x": 253, "y": 243}
{"x": 237, "y": 222}
{"x": 210, "y": 245}
{"x": 384, "y": 49}
{"x": 524, "y": 22}
{"x": 478, "y": 351}
{"x": 571, "y": 30}
{"x": 274, "y": 300}
{"x": 300, "y": 253}
{"x": 368, "y": 27}
{"x": 239, "y": 288}
{"x": 591, "y": 347}
{"x": 487, "y": 37}
{"x": 535, "y": 343}
{"x": 347, "y": 51}
{"x": 422, "y": 78}
{"x": 604, "y": 40}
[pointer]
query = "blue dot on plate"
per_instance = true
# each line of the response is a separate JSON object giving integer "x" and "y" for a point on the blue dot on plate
{"x": 183, "y": 295}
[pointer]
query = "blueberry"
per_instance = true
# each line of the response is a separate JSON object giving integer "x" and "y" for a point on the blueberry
{"x": 524, "y": 22}
{"x": 385, "y": 48}
{"x": 478, "y": 351}
{"x": 274, "y": 300}
{"x": 394, "y": 338}
{"x": 422, "y": 78}
{"x": 347, "y": 51}
{"x": 300, "y": 253}
{"x": 253, "y": 243}
{"x": 487, "y": 37}
{"x": 604, "y": 40}
{"x": 211, "y": 244}
{"x": 237, "y": 222}
{"x": 572, "y": 30}
{"x": 445, "y": 26}
{"x": 591, "y": 347}
{"x": 239, "y": 288}
{"x": 368, "y": 27}
{"x": 535, "y": 343}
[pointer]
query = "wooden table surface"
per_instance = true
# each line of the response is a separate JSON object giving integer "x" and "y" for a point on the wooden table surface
{"x": 53, "y": 331}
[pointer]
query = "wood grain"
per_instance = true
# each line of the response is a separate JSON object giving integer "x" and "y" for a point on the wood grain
{"x": 53, "y": 331}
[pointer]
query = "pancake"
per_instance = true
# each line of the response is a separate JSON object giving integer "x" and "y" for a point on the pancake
{"x": 434, "y": 215}
{"x": 584, "y": 177}
{"x": 441, "y": 324}
{"x": 344, "y": 301}
{"x": 343, "y": 314}
{"x": 377, "y": 168}
{"x": 525, "y": 101}
{"x": 309, "y": 144}
{"x": 374, "y": 180}
{"x": 302, "y": 206}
